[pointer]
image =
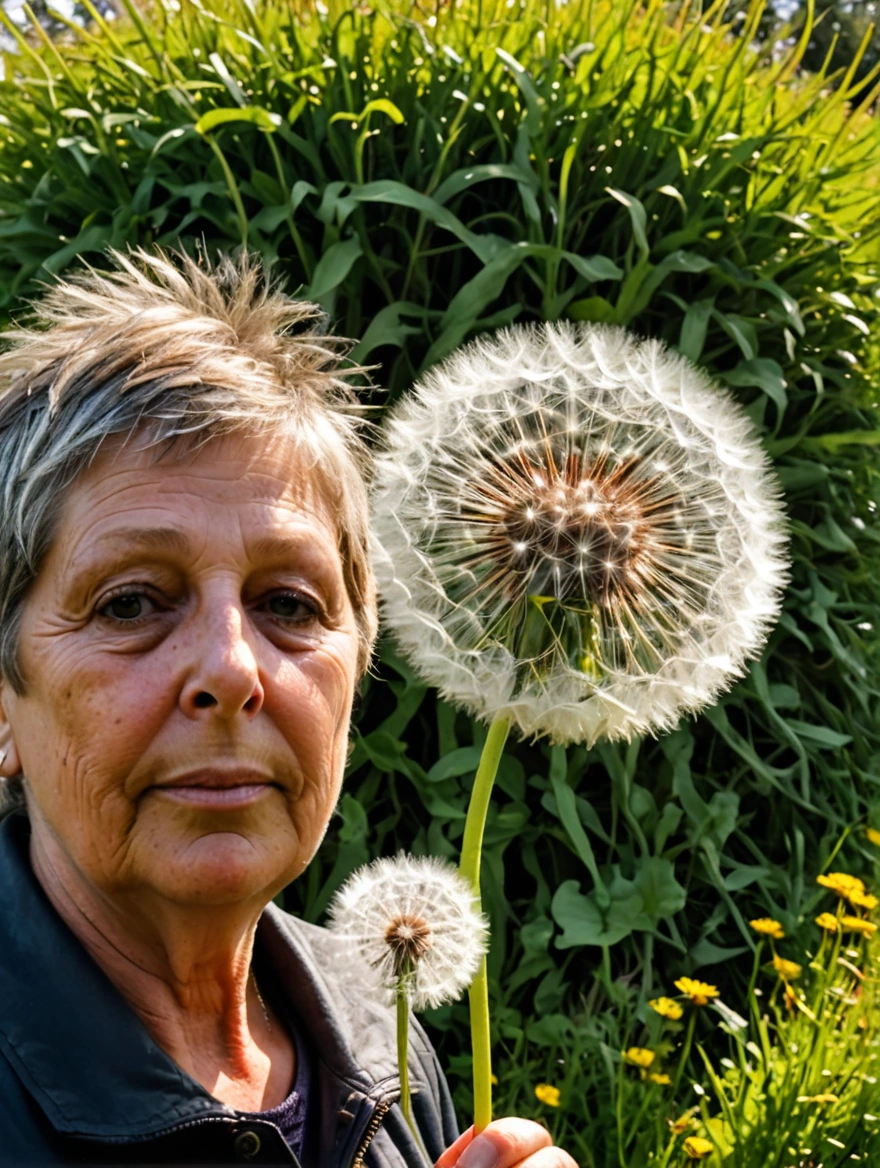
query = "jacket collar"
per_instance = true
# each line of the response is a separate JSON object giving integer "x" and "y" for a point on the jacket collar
{"x": 89, "y": 1062}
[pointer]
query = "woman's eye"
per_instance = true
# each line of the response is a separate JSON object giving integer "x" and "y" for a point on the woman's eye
{"x": 127, "y": 607}
{"x": 288, "y": 607}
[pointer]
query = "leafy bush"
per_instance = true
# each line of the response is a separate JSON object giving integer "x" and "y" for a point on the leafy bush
{"x": 429, "y": 177}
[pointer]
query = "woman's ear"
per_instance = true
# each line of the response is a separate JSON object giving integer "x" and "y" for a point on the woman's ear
{"x": 10, "y": 760}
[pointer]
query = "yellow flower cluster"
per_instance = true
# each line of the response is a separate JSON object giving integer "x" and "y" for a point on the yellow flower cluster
{"x": 858, "y": 925}
{"x": 767, "y": 927}
{"x": 787, "y": 970}
{"x": 666, "y": 1008}
{"x": 639, "y": 1056}
{"x": 699, "y": 992}
{"x": 547, "y": 1093}
{"x": 827, "y": 921}
{"x": 696, "y": 1148}
{"x": 842, "y": 883}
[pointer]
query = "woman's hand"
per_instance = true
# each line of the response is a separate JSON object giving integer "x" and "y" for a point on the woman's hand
{"x": 506, "y": 1143}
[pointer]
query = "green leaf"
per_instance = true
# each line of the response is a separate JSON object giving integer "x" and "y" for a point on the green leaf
{"x": 463, "y": 761}
{"x": 765, "y": 374}
{"x": 638, "y": 217}
{"x": 379, "y": 105}
{"x": 262, "y": 118}
{"x": 387, "y": 328}
{"x": 822, "y": 736}
{"x": 469, "y": 176}
{"x": 582, "y": 922}
{"x": 400, "y": 195}
{"x": 661, "y": 893}
{"x": 594, "y": 308}
{"x": 332, "y": 268}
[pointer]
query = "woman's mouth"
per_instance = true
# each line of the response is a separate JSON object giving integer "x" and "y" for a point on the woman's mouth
{"x": 215, "y": 790}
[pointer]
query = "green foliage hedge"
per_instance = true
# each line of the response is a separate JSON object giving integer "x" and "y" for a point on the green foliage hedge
{"x": 426, "y": 176}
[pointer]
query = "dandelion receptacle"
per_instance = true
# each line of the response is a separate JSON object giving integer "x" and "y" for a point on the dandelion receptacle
{"x": 577, "y": 534}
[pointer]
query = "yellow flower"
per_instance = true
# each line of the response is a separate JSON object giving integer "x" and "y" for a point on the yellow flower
{"x": 841, "y": 883}
{"x": 873, "y": 835}
{"x": 666, "y": 1008}
{"x": 862, "y": 900}
{"x": 494, "y": 1080}
{"x": 697, "y": 1148}
{"x": 657, "y": 1077}
{"x": 827, "y": 921}
{"x": 548, "y": 1094}
{"x": 787, "y": 970}
{"x": 699, "y": 992}
{"x": 677, "y": 1126}
{"x": 768, "y": 927}
{"x": 858, "y": 925}
{"x": 637, "y": 1056}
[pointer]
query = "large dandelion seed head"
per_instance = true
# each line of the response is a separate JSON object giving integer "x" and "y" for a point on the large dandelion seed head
{"x": 413, "y": 919}
{"x": 578, "y": 529}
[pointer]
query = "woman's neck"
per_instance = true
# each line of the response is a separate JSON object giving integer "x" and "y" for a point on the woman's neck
{"x": 186, "y": 972}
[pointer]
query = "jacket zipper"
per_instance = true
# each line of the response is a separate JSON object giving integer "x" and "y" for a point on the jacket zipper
{"x": 375, "y": 1123}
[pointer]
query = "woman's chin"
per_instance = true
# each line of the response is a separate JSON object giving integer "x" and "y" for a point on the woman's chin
{"x": 225, "y": 867}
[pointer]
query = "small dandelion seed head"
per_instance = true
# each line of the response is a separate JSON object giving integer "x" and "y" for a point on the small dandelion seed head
{"x": 413, "y": 920}
{"x": 607, "y": 545}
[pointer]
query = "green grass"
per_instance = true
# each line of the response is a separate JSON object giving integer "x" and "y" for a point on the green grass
{"x": 430, "y": 173}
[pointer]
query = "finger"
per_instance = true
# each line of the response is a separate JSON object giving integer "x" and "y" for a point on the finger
{"x": 505, "y": 1143}
{"x": 450, "y": 1157}
{"x": 549, "y": 1158}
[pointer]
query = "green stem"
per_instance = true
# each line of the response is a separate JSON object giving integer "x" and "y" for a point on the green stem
{"x": 403, "y": 1064}
{"x": 471, "y": 851}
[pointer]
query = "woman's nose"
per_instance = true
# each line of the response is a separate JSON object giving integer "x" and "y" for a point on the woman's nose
{"x": 224, "y": 678}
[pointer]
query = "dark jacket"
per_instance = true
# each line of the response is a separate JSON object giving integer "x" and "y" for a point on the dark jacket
{"x": 82, "y": 1082}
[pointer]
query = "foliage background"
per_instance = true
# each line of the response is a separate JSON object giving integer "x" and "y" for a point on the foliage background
{"x": 430, "y": 172}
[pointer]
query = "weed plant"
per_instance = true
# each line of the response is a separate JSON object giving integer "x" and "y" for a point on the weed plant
{"x": 429, "y": 172}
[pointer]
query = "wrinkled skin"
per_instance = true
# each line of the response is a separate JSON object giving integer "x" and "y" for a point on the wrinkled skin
{"x": 190, "y": 653}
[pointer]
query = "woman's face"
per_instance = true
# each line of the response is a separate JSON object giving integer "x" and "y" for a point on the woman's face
{"x": 190, "y": 654}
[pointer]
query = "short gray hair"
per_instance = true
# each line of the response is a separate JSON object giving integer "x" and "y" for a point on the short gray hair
{"x": 170, "y": 349}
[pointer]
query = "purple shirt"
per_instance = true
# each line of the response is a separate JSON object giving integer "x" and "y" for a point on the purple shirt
{"x": 290, "y": 1116}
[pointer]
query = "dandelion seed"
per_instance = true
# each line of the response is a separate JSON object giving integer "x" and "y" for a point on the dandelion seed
{"x": 413, "y": 918}
{"x": 767, "y": 927}
{"x": 696, "y": 1148}
{"x": 699, "y": 992}
{"x": 787, "y": 970}
{"x": 827, "y": 921}
{"x": 666, "y": 1008}
{"x": 638, "y": 1056}
{"x": 858, "y": 925}
{"x": 547, "y": 1093}
{"x": 606, "y": 544}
